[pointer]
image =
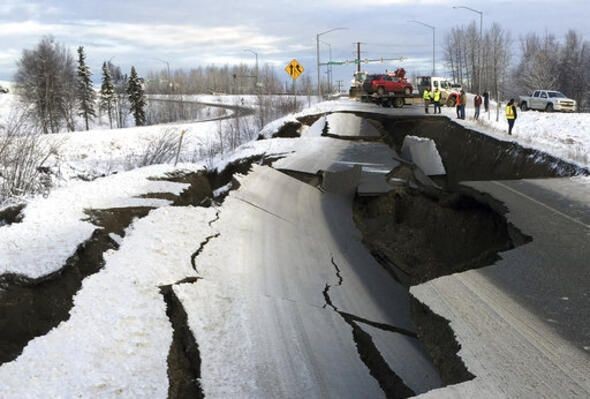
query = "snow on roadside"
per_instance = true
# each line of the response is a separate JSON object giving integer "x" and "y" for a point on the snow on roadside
{"x": 565, "y": 136}
{"x": 53, "y": 227}
{"x": 270, "y": 148}
{"x": 116, "y": 342}
{"x": 99, "y": 153}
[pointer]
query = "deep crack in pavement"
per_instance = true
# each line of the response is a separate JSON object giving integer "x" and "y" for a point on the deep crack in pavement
{"x": 391, "y": 384}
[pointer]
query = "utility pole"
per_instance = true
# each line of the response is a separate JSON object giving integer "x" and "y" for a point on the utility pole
{"x": 358, "y": 57}
{"x": 339, "y": 86}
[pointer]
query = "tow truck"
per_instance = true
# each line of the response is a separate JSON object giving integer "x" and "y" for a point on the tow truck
{"x": 362, "y": 87}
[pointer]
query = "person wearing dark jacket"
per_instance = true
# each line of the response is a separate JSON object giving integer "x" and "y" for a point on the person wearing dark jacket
{"x": 511, "y": 115}
{"x": 486, "y": 101}
{"x": 477, "y": 105}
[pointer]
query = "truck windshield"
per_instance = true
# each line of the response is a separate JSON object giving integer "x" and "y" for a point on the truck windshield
{"x": 555, "y": 94}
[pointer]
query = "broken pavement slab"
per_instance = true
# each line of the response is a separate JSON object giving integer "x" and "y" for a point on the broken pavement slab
{"x": 278, "y": 348}
{"x": 523, "y": 323}
{"x": 297, "y": 267}
{"x": 375, "y": 159}
{"x": 350, "y": 126}
{"x": 423, "y": 153}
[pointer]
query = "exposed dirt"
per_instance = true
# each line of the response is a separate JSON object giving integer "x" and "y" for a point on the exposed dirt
{"x": 199, "y": 192}
{"x": 288, "y": 130}
{"x": 419, "y": 237}
{"x": 11, "y": 214}
{"x": 184, "y": 359}
{"x": 469, "y": 155}
{"x": 30, "y": 308}
{"x": 391, "y": 384}
{"x": 439, "y": 339}
{"x": 309, "y": 119}
{"x": 218, "y": 179}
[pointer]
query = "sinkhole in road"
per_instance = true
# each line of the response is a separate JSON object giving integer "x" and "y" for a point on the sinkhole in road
{"x": 419, "y": 232}
{"x": 469, "y": 155}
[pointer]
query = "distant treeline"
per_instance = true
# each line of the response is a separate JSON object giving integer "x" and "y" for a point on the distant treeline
{"x": 234, "y": 79}
{"x": 544, "y": 62}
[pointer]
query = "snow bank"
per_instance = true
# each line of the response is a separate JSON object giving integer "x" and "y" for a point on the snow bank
{"x": 566, "y": 136}
{"x": 116, "y": 342}
{"x": 53, "y": 227}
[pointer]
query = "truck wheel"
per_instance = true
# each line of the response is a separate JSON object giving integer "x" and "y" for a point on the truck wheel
{"x": 381, "y": 91}
{"x": 524, "y": 107}
{"x": 398, "y": 102}
{"x": 450, "y": 101}
{"x": 407, "y": 91}
{"x": 549, "y": 107}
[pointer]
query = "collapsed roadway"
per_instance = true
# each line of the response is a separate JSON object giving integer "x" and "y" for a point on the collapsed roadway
{"x": 376, "y": 256}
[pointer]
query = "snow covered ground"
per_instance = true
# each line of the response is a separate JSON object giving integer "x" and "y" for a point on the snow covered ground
{"x": 116, "y": 342}
{"x": 565, "y": 136}
{"x": 53, "y": 227}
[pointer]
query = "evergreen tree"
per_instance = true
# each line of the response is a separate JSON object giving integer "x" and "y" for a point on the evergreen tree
{"x": 107, "y": 93}
{"x": 136, "y": 97}
{"x": 86, "y": 94}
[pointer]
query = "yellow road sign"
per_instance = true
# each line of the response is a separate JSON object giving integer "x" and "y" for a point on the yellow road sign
{"x": 294, "y": 69}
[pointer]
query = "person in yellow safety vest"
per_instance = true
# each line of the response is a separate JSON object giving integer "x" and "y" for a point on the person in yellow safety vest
{"x": 510, "y": 115}
{"x": 436, "y": 98}
{"x": 426, "y": 96}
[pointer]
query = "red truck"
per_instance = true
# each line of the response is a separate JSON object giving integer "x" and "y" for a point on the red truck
{"x": 383, "y": 84}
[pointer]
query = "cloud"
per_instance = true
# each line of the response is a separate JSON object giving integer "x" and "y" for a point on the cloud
{"x": 168, "y": 37}
{"x": 19, "y": 9}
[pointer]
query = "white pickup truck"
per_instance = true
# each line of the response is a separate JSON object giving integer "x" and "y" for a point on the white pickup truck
{"x": 547, "y": 100}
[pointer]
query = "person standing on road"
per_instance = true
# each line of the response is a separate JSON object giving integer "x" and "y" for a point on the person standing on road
{"x": 486, "y": 101}
{"x": 458, "y": 105}
{"x": 477, "y": 103}
{"x": 436, "y": 99}
{"x": 463, "y": 103}
{"x": 510, "y": 115}
{"x": 426, "y": 96}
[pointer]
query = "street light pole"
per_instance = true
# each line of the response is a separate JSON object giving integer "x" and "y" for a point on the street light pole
{"x": 479, "y": 55}
{"x": 329, "y": 65}
{"x": 317, "y": 40}
{"x": 168, "y": 69}
{"x": 256, "y": 55}
{"x": 433, "y": 44}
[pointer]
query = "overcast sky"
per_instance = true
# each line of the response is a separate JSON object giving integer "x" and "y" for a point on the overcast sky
{"x": 188, "y": 33}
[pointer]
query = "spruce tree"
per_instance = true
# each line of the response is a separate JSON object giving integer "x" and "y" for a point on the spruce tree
{"x": 86, "y": 94}
{"x": 107, "y": 93}
{"x": 136, "y": 97}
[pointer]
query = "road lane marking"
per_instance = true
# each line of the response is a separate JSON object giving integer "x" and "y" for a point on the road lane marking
{"x": 571, "y": 219}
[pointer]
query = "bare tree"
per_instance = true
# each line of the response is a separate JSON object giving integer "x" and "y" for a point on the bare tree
{"x": 45, "y": 79}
